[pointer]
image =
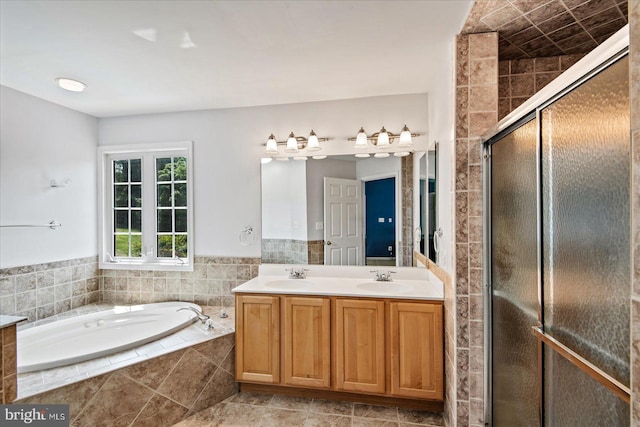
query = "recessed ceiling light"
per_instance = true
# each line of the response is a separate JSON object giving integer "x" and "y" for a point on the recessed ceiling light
{"x": 70, "y": 84}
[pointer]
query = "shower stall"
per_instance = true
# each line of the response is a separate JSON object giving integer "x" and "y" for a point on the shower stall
{"x": 557, "y": 239}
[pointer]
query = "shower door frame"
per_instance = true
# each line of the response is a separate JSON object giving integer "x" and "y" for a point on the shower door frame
{"x": 595, "y": 62}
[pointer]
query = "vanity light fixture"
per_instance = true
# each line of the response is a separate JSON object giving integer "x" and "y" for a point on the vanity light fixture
{"x": 71, "y": 84}
{"x": 272, "y": 145}
{"x": 383, "y": 140}
{"x": 294, "y": 144}
{"x": 314, "y": 143}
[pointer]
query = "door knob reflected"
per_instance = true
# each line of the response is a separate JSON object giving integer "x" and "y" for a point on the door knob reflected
{"x": 328, "y": 242}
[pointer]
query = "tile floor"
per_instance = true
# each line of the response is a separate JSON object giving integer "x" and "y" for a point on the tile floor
{"x": 258, "y": 410}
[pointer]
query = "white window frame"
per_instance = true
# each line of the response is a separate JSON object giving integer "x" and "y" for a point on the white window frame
{"x": 148, "y": 153}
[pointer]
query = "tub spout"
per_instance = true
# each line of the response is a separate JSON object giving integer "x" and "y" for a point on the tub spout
{"x": 201, "y": 316}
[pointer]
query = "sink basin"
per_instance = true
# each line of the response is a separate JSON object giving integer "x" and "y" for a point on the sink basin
{"x": 385, "y": 287}
{"x": 289, "y": 284}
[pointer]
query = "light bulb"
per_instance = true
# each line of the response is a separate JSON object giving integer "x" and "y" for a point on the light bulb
{"x": 319, "y": 157}
{"x": 266, "y": 160}
{"x": 361, "y": 139}
{"x": 401, "y": 153}
{"x": 292, "y": 144}
{"x": 272, "y": 145}
{"x": 383, "y": 138}
{"x": 363, "y": 155}
{"x": 313, "y": 144}
{"x": 405, "y": 138}
{"x": 381, "y": 155}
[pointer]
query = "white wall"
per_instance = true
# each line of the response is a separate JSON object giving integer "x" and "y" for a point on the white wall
{"x": 441, "y": 129}
{"x": 316, "y": 171}
{"x": 41, "y": 141}
{"x": 376, "y": 168}
{"x": 228, "y": 147}
{"x": 284, "y": 200}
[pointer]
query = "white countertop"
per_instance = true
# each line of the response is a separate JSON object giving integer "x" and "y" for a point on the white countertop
{"x": 407, "y": 283}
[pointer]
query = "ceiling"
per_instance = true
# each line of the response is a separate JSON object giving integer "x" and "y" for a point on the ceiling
{"x": 246, "y": 53}
{"x": 541, "y": 28}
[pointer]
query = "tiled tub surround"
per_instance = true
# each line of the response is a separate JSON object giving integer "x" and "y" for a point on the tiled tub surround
{"x": 157, "y": 384}
{"x": 8, "y": 371}
{"x": 43, "y": 290}
{"x": 209, "y": 283}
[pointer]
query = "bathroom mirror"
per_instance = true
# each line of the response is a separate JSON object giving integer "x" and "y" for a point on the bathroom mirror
{"x": 294, "y": 229}
{"x": 428, "y": 211}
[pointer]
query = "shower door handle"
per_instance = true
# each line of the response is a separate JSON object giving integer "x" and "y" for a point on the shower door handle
{"x": 619, "y": 389}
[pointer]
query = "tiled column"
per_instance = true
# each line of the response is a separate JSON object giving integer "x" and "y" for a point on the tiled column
{"x": 407, "y": 209}
{"x": 634, "y": 24}
{"x": 476, "y": 112}
{"x": 8, "y": 376}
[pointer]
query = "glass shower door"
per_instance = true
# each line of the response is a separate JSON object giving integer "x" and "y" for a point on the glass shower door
{"x": 586, "y": 248}
{"x": 514, "y": 278}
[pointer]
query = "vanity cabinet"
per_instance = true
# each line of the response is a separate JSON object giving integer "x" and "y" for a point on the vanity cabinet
{"x": 359, "y": 345}
{"x": 416, "y": 350}
{"x": 307, "y": 335}
{"x": 258, "y": 338}
{"x": 375, "y": 348}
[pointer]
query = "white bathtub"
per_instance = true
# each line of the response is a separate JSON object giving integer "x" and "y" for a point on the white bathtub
{"x": 86, "y": 337}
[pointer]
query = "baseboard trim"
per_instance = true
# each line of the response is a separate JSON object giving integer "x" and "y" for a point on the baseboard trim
{"x": 423, "y": 405}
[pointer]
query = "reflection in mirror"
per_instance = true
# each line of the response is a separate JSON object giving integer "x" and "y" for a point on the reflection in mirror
{"x": 428, "y": 168}
{"x": 336, "y": 211}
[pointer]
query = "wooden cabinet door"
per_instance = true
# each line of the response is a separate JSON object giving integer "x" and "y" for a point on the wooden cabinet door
{"x": 258, "y": 338}
{"x": 359, "y": 345}
{"x": 307, "y": 351}
{"x": 416, "y": 350}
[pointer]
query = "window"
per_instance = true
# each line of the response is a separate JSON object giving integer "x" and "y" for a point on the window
{"x": 146, "y": 206}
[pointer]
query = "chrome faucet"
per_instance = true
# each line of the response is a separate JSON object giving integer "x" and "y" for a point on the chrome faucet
{"x": 382, "y": 277}
{"x": 297, "y": 273}
{"x": 201, "y": 316}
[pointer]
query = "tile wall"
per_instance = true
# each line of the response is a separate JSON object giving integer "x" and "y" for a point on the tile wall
{"x": 315, "y": 252}
{"x": 43, "y": 290}
{"x": 210, "y": 282}
{"x": 8, "y": 374}
{"x": 155, "y": 393}
{"x": 449, "y": 341}
{"x": 406, "y": 185}
{"x": 290, "y": 251}
{"x": 519, "y": 79}
{"x": 285, "y": 251}
{"x": 634, "y": 24}
{"x": 476, "y": 112}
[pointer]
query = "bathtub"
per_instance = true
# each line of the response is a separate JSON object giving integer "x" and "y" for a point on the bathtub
{"x": 86, "y": 337}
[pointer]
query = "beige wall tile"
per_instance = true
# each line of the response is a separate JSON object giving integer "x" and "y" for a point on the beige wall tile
{"x": 483, "y": 72}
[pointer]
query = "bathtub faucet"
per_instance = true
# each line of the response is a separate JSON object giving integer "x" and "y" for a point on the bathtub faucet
{"x": 201, "y": 316}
